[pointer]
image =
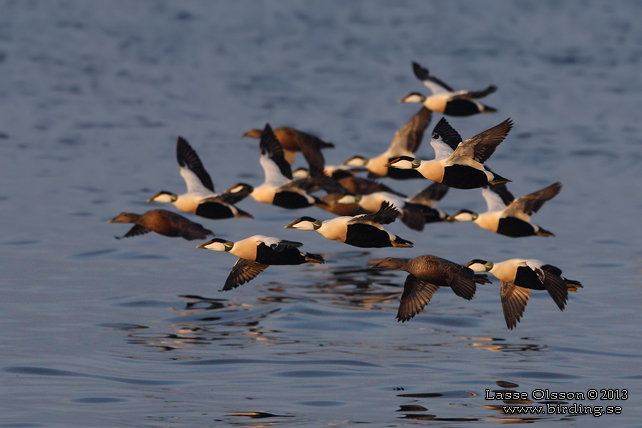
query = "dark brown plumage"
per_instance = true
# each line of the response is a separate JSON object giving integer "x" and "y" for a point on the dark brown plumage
{"x": 162, "y": 222}
{"x": 426, "y": 274}
{"x": 292, "y": 141}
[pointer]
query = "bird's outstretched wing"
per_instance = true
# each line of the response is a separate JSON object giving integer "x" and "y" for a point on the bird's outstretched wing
{"x": 514, "y": 301}
{"x": 408, "y": 138}
{"x": 191, "y": 168}
{"x": 435, "y": 85}
{"x": 416, "y": 295}
{"x": 243, "y": 271}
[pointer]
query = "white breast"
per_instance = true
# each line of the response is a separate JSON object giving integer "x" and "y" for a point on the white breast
{"x": 335, "y": 228}
{"x": 264, "y": 193}
{"x": 432, "y": 170}
{"x": 246, "y": 248}
{"x": 489, "y": 220}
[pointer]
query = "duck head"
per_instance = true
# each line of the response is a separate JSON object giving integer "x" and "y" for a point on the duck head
{"x": 358, "y": 161}
{"x": 240, "y": 189}
{"x": 390, "y": 263}
{"x": 349, "y": 199}
{"x": 403, "y": 162}
{"x": 164, "y": 196}
{"x": 305, "y": 223}
{"x": 217, "y": 244}
{"x": 463, "y": 215}
{"x": 253, "y": 133}
{"x": 413, "y": 97}
{"x": 479, "y": 265}
{"x": 124, "y": 218}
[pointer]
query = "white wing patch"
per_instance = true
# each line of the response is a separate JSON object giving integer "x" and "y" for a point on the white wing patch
{"x": 442, "y": 150}
{"x": 272, "y": 172}
{"x": 435, "y": 88}
{"x": 193, "y": 183}
{"x": 493, "y": 200}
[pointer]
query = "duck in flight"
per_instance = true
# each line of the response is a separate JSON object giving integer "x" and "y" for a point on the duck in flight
{"x": 509, "y": 216}
{"x": 200, "y": 198}
{"x": 461, "y": 167}
{"x": 256, "y": 253}
{"x": 364, "y": 230}
{"x": 415, "y": 213}
{"x": 278, "y": 188}
{"x": 519, "y": 276}
{"x": 405, "y": 143}
{"x": 425, "y": 275}
{"x": 162, "y": 222}
{"x": 445, "y": 99}
{"x": 292, "y": 140}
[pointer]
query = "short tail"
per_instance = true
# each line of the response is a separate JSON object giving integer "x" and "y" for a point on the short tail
{"x": 487, "y": 109}
{"x": 498, "y": 179}
{"x": 400, "y": 242}
{"x": 320, "y": 202}
{"x": 544, "y": 232}
{"x": 572, "y": 285}
{"x": 242, "y": 213}
{"x": 481, "y": 278}
{"x": 325, "y": 145}
{"x": 314, "y": 258}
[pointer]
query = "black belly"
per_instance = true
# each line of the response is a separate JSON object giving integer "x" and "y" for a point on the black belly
{"x": 366, "y": 236}
{"x": 464, "y": 177}
{"x": 461, "y": 107}
{"x": 214, "y": 210}
{"x": 290, "y": 200}
{"x": 403, "y": 174}
{"x": 514, "y": 227}
{"x": 268, "y": 256}
{"x": 525, "y": 277}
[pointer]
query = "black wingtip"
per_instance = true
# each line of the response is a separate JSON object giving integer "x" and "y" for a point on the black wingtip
{"x": 420, "y": 72}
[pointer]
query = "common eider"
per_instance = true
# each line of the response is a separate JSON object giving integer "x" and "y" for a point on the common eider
{"x": 445, "y": 99}
{"x": 364, "y": 230}
{"x": 278, "y": 188}
{"x": 162, "y": 222}
{"x": 406, "y": 141}
{"x": 257, "y": 253}
{"x": 508, "y": 216}
{"x": 519, "y": 276}
{"x": 426, "y": 274}
{"x": 200, "y": 198}
{"x": 462, "y": 168}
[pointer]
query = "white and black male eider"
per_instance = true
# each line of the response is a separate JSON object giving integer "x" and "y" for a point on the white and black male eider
{"x": 200, "y": 198}
{"x": 462, "y": 168}
{"x": 162, "y": 222}
{"x": 426, "y": 274}
{"x": 445, "y": 99}
{"x": 278, "y": 188}
{"x": 509, "y": 216}
{"x": 519, "y": 276}
{"x": 406, "y": 142}
{"x": 364, "y": 230}
{"x": 257, "y": 253}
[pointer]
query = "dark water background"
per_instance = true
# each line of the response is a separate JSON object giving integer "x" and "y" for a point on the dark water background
{"x": 99, "y": 332}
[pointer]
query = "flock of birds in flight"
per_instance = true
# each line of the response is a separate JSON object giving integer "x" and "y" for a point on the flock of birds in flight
{"x": 364, "y": 206}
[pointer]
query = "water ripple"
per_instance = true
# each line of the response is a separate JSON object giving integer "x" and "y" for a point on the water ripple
{"x": 43, "y": 371}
